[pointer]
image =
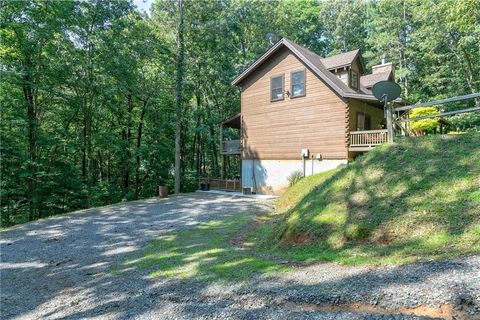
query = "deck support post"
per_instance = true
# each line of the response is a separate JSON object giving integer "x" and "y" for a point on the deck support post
{"x": 389, "y": 117}
{"x": 222, "y": 165}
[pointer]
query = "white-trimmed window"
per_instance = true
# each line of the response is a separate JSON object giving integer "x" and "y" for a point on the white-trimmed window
{"x": 277, "y": 88}
{"x": 298, "y": 83}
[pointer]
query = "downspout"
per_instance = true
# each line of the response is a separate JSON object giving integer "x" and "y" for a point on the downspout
{"x": 254, "y": 180}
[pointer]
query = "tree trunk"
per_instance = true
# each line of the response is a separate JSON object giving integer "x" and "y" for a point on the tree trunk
{"x": 178, "y": 98}
{"x": 32, "y": 146}
{"x": 84, "y": 144}
{"x": 100, "y": 166}
{"x": 139, "y": 143}
{"x": 128, "y": 136}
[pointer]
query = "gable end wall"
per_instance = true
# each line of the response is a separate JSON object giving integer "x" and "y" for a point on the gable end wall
{"x": 279, "y": 130}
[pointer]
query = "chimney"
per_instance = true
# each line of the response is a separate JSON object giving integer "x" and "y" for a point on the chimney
{"x": 383, "y": 67}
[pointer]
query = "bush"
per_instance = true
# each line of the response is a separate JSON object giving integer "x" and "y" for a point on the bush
{"x": 425, "y": 124}
{"x": 294, "y": 177}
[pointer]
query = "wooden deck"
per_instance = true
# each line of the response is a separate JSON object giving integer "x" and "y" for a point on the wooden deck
{"x": 231, "y": 185}
{"x": 367, "y": 140}
{"x": 230, "y": 147}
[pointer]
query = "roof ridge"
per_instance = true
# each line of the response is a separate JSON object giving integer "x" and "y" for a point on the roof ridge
{"x": 342, "y": 53}
{"x": 313, "y": 61}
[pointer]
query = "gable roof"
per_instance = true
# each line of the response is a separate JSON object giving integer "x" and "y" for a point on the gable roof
{"x": 369, "y": 80}
{"x": 340, "y": 60}
{"x": 314, "y": 62}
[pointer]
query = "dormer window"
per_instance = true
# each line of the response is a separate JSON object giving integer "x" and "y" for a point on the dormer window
{"x": 298, "y": 83}
{"x": 354, "y": 79}
{"x": 276, "y": 88}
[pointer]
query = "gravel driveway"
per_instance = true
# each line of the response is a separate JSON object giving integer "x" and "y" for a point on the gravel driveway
{"x": 60, "y": 268}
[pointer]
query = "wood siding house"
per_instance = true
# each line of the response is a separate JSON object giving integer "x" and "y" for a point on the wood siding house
{"x": 293, "y": 100}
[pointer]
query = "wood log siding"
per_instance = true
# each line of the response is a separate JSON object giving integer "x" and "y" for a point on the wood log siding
{"x": 280, "y": 129}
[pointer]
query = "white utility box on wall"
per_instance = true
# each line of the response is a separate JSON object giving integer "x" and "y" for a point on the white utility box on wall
{"x": 305, "y": 153}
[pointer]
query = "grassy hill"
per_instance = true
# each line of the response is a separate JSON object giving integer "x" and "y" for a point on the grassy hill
{"x": 418, "y": 199}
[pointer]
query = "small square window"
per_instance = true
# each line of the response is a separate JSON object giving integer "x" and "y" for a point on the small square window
{"x": 298, "y": 83}
{"x": 276, "y": 88}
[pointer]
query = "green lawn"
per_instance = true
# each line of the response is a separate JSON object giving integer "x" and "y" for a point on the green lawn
{"x": 204, "y": 252}
{"x": 416, "y": 200}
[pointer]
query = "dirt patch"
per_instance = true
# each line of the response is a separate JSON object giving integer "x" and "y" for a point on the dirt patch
{"x": 445, "y": 311}
{"x": 298, "y": 239}
{"x": 384, "y": 239}
{"x": 238, "y": 239}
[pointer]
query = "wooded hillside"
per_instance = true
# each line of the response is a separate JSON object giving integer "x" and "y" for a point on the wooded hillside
{"x": 88, "y": 88}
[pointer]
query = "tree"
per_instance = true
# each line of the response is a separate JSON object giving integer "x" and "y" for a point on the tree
{"x": 178, "y": 98}
{"x": 102, "y": 104}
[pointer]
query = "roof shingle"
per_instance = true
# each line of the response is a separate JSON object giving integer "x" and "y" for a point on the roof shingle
{"x": 369, "y": 80}
{"x": 340, "y": 60}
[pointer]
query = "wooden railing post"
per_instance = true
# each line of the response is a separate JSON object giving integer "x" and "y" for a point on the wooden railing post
{"x": 389, "y": 124}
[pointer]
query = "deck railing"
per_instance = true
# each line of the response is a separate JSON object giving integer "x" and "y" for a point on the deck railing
{"x": 367, "y": 138}
{"x": 223, "y": 184}
{"x": 230, "y": 147}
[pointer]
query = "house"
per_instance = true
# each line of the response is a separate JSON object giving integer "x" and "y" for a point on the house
{"x": 302, "y": 112}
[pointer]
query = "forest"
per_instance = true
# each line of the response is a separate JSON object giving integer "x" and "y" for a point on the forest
{"x": 102, "y": 103}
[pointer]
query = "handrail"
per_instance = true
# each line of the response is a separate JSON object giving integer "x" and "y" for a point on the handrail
{"x": 230, "y": 147}
{"x": 370, "y": 131}
{"x": 223, "y": 184}
{"x": 442, "y": 101}
{"x": 440, "y": 114}
{"x": 368, "y": 138}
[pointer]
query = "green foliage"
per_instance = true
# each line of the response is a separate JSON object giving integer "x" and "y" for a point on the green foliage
{"x": 424, "y": 124}
{"x": 87, "y": 87}
{"x": 295, "y": 177}
{"x": 412, "y": 201}
{"x": 466, "y": 121}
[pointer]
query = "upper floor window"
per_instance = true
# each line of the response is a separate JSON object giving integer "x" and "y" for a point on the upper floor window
{"x": 298, "y": 83}
{"x": 276, "y": 88}
{"x": 354, "y": 79}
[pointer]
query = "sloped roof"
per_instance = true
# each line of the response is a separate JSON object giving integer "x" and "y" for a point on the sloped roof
{"x": 232, "y": 122}
{"x": 369, "y": 80}
{"x": 314, "y": 62}
{"x": 340, "y": 60}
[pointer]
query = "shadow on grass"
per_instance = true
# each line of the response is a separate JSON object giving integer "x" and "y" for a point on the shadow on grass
{"x": 41, "y": 280}
{"x": 415, "y": 200}
{"x": 204, "y": 252}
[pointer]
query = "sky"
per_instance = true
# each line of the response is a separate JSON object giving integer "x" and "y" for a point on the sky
{"x": 143, "y": 5}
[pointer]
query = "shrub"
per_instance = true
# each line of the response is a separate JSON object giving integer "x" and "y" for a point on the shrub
{"x": 294, "y": 177}
{"x": 425, "y": 124}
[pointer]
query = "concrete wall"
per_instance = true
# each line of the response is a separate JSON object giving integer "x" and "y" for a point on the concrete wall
{"x": 271, "y": 176}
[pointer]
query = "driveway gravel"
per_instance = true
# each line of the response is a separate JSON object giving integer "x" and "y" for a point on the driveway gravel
{"x": 61, "y": 268}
